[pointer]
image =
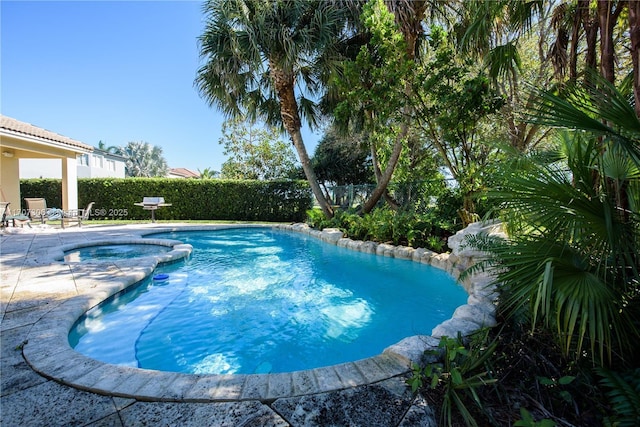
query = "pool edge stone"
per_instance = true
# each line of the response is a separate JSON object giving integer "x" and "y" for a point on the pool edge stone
{"x": 279, "y": 385}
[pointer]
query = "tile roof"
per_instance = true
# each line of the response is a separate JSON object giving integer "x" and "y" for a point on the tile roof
{"x": 184, "y": 172}
{"x": 16, "y": 126}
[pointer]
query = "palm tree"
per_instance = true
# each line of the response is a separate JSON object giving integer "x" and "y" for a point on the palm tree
{"x": 109, "y": 149}
{"x": 143, "y": 160}
{"x": 208, "y": 173}
{"x": 490, "y": 32}
{"x": 264, "y": 59}
{"x": 573, "y": 256}
{"x": 634, "y": 30}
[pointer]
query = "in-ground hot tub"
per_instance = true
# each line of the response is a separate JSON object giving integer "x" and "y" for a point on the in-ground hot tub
{"x": 103, "y": 252}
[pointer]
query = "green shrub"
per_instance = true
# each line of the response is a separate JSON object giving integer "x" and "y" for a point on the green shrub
{"x": 50, "y": 189}
{"x": 316, "y": 219}
{"x": 623, "y": 392}
{"x": 384, "y": 225}
{"x": 191, "y": 199}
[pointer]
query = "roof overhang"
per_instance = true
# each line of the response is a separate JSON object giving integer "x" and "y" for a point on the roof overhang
{"x": 18, "y": 141}
{"x": 28, "y": 138}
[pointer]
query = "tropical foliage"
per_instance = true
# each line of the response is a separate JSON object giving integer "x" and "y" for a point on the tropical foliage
{"x": 266, "y": 59}
{"x": 461, "y": 374}
{"x": 569, "y": 272}
{"x": 371, "y": 90}
{"x": 575, "y": 227}
{"x": 254, "y": 152}
{"x": 143, "y": 160}
{"x": 342, "y": 159}
{"x": 208, "y": 173}
{"x": 108, "y": 148}
{"x": 452, "y": 105}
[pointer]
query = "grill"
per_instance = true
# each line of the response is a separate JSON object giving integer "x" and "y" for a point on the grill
{"x": 152, "y": 204}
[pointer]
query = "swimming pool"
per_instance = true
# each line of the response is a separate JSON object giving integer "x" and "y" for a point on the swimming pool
{"x": 259, "y": 300}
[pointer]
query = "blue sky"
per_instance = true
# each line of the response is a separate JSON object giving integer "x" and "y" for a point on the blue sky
{"x": 112, "y": 71}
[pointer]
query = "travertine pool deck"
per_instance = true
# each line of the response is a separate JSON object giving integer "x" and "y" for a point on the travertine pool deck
{"x": 44, "y": 382}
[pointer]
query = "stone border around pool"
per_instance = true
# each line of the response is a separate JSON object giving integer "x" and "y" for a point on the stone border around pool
{"x": 178, "y": 250}
{"x": 49, "y": 353}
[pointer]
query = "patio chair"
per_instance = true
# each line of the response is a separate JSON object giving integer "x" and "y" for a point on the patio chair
{"x": 37, "y": 209}
{"x": 20, "y": 220}
{"x": 4, "y": 208}
{"x": 76, "y": 216}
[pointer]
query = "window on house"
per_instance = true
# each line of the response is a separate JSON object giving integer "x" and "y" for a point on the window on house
{"x": 97, "y": 161}
{"x": 83, "y": 159}
{"x": 111, "y": 165}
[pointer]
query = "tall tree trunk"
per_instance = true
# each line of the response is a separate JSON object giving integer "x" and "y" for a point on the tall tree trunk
{"x": 591, "y": 33}
{"x": 383, "y": 182}
{"x": 284, "y": 83}
{"x": 634, "y": 30}
{"x": 606, "y": 22}
{"x": 378, "y": 174}
{"x": 296, "y": 138}
{"x": 575, "y": 41}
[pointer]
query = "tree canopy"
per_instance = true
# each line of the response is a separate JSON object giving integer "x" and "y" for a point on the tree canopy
{"x": 255, "y": 152}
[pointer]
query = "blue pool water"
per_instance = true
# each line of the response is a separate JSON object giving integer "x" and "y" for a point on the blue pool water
{"x": 257, "y": 300}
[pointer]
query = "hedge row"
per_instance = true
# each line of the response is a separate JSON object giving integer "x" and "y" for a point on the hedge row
{"x": 213, "y": 199}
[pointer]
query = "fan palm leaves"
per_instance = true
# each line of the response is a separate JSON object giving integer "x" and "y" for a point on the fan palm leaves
{"x": 572, "y": 258}
{"x": 492, "y": 28}
{"x": 143, "y": 159}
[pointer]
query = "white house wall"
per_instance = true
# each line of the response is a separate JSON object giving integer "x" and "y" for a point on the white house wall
{"x": 52, "y": 168}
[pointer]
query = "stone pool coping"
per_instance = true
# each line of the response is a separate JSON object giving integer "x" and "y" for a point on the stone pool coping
{"x": 49, "y": 353}
{"x": 178, "y": 250}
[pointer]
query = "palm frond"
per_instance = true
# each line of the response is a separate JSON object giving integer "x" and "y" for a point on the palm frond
{"x": 522, "y": 14}
{"x": 551, "y": 110}
{"x": 624, "y": 395}
{"x": 477, "y": 33}
{"x": 503, "y": 60}
{"x": 597, "y": 107}
{"x": 244, "y": 39}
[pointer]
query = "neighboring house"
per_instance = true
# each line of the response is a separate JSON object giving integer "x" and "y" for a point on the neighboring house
{"x": 97, "y": 164}
{"x": 21, "y": 140}
{"x": 101, "y": 164}
{"x": 182, "y": 173}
